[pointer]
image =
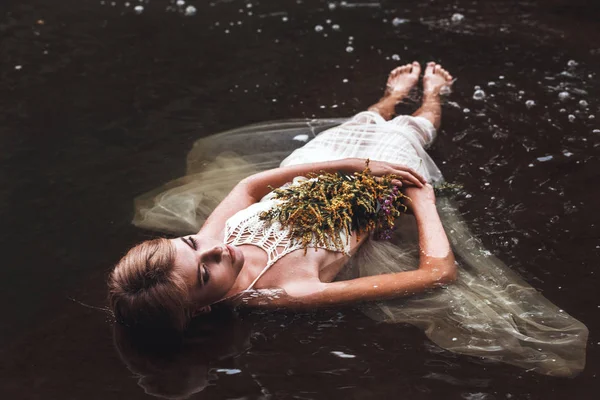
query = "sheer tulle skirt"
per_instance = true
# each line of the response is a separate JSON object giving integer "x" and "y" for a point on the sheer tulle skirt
{"x": 489, "y": 312}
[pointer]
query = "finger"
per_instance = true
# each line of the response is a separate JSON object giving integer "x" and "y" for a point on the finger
{"x": 408, "y": 177}
{"x": 397, "y": 182}
{"x": 414, "y": 173}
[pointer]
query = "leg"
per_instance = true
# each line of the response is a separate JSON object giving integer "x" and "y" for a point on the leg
{"x": 434, "y": 79}
{"x": 399, "y": 83}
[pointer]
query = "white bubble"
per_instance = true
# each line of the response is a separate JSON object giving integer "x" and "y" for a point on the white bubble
{"x": 491, "y": 83}
{"x": 301, "y": 138}
{"x": 138, "y": 9}
{"x": 466, "y": 111}
{"x": 18, "y": 67}
{"x": 562, "y": 110}
{"x": 501, "y": 77}
{"x": 190, "y": 11}
{"x": 457, "y": 17}
{"x": 332, "y": 6}
{"x": 349, "y": 49}
{"x": 454, "y": 339}
{"x": 127, "y": 4}
{"x": 228, "y": 371}
{"x": 345, "y": 80}
{"x": 180, "y": 2}
{"x": 596, "y": 131}
{"x": 249, "y": 5}
{"x": 328, "y": 21}
{"x": 571, "y": 118}
{"x": 529, "y": 103}
{"x": 583, "y": 103}
{"x": 341, "y": 354}
{"x": 335, "y": 27}
{"x": 564, "y": 95}
{"x": 479, "y": 95}
{"x": 591, "y": 116}
{"x": 477, "y": 87}
{"x": 350, "y": 38}
{"x": 399, "y": 21}
{"x": 572, "y": 63}
{"x": 395, "y": 57}
{"x": 318, "y": 28}
{"x": 545, "y": 158}
{"x": 284, "y": 19}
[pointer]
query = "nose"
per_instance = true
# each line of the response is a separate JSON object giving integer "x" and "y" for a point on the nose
{"x": 216, "y": 251}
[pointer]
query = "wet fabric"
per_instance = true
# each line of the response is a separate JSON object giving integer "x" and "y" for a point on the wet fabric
{"x": 488, "y": 312}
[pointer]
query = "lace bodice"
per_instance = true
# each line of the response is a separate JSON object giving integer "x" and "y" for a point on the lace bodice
{"x": 246, "y": 227}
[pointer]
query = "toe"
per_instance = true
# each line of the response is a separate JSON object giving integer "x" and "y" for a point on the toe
{"x": 416, "y": 68}
{"x": 430, "y": 67}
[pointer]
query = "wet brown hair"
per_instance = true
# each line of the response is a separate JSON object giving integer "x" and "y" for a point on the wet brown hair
{"x": 145, "y": 290}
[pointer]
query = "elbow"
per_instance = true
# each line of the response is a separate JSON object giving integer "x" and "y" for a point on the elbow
{"x": 445, "y": 275}
{"x": 448, "y": 275}
{"x": 441, "y": 271}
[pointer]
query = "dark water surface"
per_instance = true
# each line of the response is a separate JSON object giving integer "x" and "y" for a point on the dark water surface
{"x": 99, "y": 104}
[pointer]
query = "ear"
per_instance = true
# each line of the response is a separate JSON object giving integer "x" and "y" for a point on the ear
{"x": 201, "y": 310}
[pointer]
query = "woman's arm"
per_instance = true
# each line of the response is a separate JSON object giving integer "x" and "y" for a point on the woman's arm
{"x": 258, "y": 185}
{"x": 250, "y": 190}
{"x": 436, "y": 267}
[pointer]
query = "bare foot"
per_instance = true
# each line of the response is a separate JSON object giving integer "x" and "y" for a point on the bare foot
{"x": 399, "y": 83}
{"x": 435, "y": 79}
{"x": 402, "y": 79}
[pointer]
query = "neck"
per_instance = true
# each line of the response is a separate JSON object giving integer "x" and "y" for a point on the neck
{"x": 247, "y": 275}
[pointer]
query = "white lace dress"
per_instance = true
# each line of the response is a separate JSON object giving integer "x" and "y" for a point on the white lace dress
{"x": 488, "y": 312}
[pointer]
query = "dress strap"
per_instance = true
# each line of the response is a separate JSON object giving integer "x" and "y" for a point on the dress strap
{"x": 265, "y": 269}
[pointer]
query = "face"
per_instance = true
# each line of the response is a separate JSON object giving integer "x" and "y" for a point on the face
{"x": 209, "y": 267}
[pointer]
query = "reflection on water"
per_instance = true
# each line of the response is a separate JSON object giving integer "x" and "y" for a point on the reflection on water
{"x": 172, "y": 367}
{"x": 100, "y": 103}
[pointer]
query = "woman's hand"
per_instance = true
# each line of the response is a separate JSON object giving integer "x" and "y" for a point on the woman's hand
{"x": 422, "y": 197}
{"x": 406, "y": 176}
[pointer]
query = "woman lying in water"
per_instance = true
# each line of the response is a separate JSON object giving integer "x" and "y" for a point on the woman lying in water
{"x": 239, "y": 258}
{"x": 172, "y": 280}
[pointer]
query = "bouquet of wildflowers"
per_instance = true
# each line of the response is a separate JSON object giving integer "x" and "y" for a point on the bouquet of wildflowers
{"x": 326, "y": 204}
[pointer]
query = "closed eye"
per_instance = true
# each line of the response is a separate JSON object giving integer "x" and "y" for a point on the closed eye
{"x": 193, "y": 242}
{"x": 203, "y": 275}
